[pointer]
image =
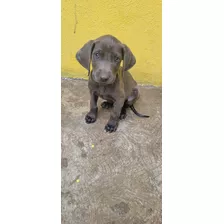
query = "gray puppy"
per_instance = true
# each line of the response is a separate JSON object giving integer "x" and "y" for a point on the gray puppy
{"x": 108, "y": 80}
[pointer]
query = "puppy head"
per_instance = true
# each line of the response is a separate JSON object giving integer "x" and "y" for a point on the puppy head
{"x": 105, "y": 54}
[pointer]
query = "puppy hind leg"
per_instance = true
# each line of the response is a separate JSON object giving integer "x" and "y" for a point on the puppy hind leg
{"x": 133, "y": 97}
{"x": 106, "y": 104}
{"x": 123, "y": 113}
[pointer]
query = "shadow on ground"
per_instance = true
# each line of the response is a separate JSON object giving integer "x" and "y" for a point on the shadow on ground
{"x": 119, "y": 179}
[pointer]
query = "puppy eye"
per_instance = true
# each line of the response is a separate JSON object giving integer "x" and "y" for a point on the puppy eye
{"x": 97, "y": 55}
{"x": 117, "y": 59}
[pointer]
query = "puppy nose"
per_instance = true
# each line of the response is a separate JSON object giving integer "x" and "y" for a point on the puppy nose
{"x": 104, "y": 79}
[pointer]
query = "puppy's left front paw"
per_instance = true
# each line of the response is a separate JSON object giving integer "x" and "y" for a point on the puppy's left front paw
{"x": 111, "y": 127}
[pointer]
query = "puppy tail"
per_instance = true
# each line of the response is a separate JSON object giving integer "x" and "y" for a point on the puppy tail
{"x": 137, "y": 113}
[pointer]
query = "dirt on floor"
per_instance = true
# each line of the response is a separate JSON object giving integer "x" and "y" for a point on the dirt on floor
{"x": 110, "y": 178}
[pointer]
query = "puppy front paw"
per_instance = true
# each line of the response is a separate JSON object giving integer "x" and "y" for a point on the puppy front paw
{"x": 111, "y": 126}
{"x": 90, "y": 118}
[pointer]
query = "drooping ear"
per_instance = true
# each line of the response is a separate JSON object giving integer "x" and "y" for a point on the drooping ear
{"x": 128, "y": 57}
{"x": 83, "y": 56}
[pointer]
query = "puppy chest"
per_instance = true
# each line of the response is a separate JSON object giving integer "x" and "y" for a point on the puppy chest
{"x": 105, "y": 93}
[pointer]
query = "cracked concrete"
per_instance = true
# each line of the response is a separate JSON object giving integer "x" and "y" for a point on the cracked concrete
{"x": 110, "y": 178}
{"x": 76, "y": 21}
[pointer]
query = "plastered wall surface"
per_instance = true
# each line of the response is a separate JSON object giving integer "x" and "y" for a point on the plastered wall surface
{"x": 137, "y": 23}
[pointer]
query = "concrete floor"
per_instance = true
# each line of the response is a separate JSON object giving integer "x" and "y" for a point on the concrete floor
{"x": 119, "y": 179}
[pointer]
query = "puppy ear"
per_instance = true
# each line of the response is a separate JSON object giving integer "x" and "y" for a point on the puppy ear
{"x": 128, "y": 57}
{"x": 83, "y": 56}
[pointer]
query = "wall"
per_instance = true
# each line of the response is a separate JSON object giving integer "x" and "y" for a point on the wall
{"x": 137, "y": 23}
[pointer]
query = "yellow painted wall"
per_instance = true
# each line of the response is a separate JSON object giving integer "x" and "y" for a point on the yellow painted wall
{"x": 137, "y": 23}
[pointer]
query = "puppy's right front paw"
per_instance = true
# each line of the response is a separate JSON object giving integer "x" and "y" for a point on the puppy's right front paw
{"x": 90, "y": 118}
